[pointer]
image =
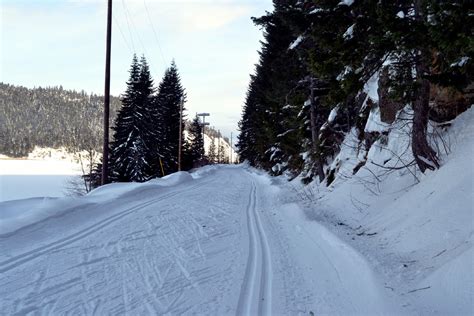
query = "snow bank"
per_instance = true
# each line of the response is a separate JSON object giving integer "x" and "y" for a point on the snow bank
{"x": 417, "y": 229}
{"x": 348, "y": 271}
{"x": 114, "y": 190}
{"x": 17, "y": 214}
{"x": 204, "y": 171}
{"x": 441, "y": 292}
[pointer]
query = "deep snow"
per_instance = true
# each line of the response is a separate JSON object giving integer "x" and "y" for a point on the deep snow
{"x": 415, "y": 229}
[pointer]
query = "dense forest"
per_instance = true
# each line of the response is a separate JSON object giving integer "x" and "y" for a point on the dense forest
{"x": 50, "y": 117}
{"x": 329, "y": 68}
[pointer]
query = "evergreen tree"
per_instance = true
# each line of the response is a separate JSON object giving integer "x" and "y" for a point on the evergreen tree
{"x": 197, "y": 141}
{"x": 212, "y": 155}
{"x": 221, "y": 156}
{"x": 187, "y": 162}
{"x": 150, "y": 120}
{"x": 277, "y": 74}
{"x": 167, "y": 104}
{"x": 415, "y": 44}
{"x": 132, "y": 129}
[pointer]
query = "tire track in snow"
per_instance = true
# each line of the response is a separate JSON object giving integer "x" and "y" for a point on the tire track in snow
{"x": 254, "y": 293}
{"x": 21, "y": 259}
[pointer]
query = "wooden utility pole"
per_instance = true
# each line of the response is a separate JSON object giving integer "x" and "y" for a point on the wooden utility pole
{"x": 180, "y": 141}
{"x": 231, "y": 161}
{"x": 105, "y": 150}
{"x": 219, "y": 154}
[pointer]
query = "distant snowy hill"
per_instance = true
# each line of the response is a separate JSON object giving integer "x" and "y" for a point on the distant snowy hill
{"x": 228, "y": 151}
{"x": 220, "y": 141}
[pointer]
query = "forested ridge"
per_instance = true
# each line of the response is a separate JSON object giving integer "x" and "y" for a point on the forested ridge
{"x": 328, "y": 68}
{"x": 50, "y": 117}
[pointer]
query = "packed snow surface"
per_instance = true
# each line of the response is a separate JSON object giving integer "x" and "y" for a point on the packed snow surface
{"x": 179, "y": 245}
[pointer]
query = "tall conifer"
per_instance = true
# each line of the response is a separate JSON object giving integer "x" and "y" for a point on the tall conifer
{"x": 132, "y": 131}
{"x": 167, "y": 103}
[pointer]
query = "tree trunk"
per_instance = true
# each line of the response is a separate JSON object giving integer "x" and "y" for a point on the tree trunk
{"x": 424, "y": 155}
{"x": 314, "y": 135}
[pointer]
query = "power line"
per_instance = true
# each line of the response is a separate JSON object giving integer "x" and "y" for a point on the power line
{"x": 133, "y": 26}
{"x": 128, "y": 15}
{"x": 123, "y": 36}
{"x": 133, "y": 32}
{"x": 128, "y": 25}
{"x": 154, "y": 32}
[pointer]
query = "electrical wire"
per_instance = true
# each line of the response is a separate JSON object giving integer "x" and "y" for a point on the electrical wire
{"x": 123, "y": 36}
{"x": 154, "y": 33}
{"x": 128, "y": 26}
{"x": 127, "y": 13}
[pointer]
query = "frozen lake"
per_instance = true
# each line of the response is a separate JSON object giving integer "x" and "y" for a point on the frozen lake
{"x": 26, "y": 178}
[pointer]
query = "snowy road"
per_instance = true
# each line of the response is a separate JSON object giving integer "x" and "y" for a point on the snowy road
{"x": 222, "y": 243}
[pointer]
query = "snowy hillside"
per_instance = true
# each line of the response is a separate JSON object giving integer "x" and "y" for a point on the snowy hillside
{"x": 371, "y": 244}
{"x": 416, "y": 229}
{"x": 228, "y": 151}
{"x": 220, "y": 141}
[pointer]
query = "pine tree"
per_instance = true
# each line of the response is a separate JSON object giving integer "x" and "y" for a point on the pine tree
{"x": 167, "y": 103}
{"x": 278, "y": 72}
{"x": 187, "y": 162}
{"x": 212, "y": 155}
{"x": 196, "y": 141}
{"x": 150, "y": 120}
{"x": 129, "y": 150}
{"x": 414, "y": 44}
{"x": 221, "y": 156}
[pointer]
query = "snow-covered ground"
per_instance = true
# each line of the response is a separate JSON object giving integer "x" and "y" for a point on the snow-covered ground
{"x": 45, "y": 172}
{"x": 415, "y": 229}
{"x": 179, "y": 245}
{"x": 229, "y": 240}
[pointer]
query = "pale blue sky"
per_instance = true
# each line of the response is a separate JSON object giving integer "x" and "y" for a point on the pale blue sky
{"x": 214, "y": 43}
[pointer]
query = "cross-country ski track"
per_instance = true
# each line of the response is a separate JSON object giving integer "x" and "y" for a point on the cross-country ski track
{"x": 257, "y": 286}
{"x": 221, "y": 241}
